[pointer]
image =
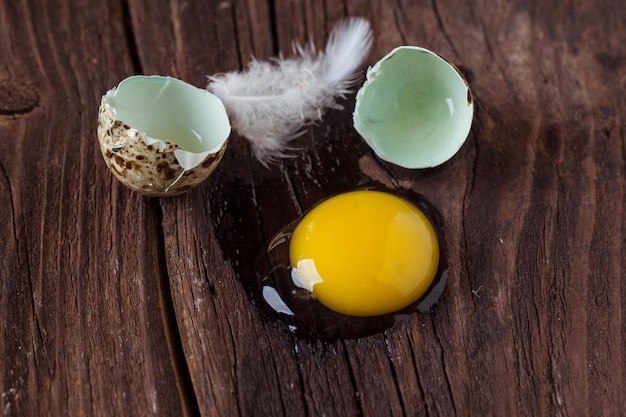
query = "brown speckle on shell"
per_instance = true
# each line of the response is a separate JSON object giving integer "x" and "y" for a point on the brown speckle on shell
{"x": 118, "y": 159}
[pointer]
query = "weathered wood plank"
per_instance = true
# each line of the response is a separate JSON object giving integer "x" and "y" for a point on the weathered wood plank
{"x": 235, "y": 366}
{"x": 116, "y": 304}
{"x": 81, "y": 329}
{"x": 506, "y": 203}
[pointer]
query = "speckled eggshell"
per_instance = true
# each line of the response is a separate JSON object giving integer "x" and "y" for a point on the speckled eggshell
{"x": 146, "y": 168}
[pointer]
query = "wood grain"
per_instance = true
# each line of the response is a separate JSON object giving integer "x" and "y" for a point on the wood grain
{"x": 116, "y": 304}
{"x": 81, "y": 329}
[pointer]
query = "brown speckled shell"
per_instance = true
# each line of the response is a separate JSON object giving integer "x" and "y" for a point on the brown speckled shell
{"x": 144, "y": 168}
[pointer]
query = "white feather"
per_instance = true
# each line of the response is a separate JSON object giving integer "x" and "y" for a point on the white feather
{"x": 271, "y": 102}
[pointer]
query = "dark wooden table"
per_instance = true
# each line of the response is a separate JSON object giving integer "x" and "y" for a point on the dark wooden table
{"x": 115, "y": 304}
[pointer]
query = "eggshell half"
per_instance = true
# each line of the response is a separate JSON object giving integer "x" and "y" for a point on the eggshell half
{"x": 141, "y": 124}
{"x": 415, "y": 109}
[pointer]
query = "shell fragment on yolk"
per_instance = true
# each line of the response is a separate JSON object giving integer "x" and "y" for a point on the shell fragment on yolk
{"x": 365, "y": 253}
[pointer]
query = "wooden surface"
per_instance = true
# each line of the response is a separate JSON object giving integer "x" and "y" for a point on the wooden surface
{"x": 115, "y": 304}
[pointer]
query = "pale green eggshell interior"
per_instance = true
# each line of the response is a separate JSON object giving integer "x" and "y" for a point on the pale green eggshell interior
{"x": 414, "y": 110}
{"x": 172, "y": 110}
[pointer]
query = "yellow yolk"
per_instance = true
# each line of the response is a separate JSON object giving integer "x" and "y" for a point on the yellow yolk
{"x": 365, "y": 253}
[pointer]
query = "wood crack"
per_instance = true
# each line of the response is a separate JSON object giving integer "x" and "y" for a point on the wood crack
{"x": 168, "y": 315}
{"x": 488, "y": 45}
{"x": 357, "y": 395}
{"x": 273, "y": 27}
{"x": 8, "y": 182}
{"x": 418, "y": 380}
{"x": 470, "y": 184}
{"x": 557, "y": 343}
{"x": 237, "y": 35}
{"x": 394, "y": 373}
{"x": 396, "y": 17}
{"x": 33, "y": 305}
{"x": 441, "y": 25}
{"x": 277, "y": 375}
{"x": 299, "y": 366}
{"x": 131, "y": 41}
{"x": 443, "y": 364}
{"x": 235, "y": 365}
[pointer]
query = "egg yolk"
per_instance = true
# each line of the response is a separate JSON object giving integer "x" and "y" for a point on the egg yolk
{"x": 364, "y": 253}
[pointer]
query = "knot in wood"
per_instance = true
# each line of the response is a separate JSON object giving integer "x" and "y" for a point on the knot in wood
{"x": 17, "y": 97}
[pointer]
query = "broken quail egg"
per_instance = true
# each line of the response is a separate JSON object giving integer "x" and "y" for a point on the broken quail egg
{"x": 415, "y": 108}
{"x": 161, "y": 136}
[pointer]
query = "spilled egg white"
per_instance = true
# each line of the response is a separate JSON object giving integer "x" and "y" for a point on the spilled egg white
{"x": 160, "y": 136}
{"x": 329, "y": 274}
